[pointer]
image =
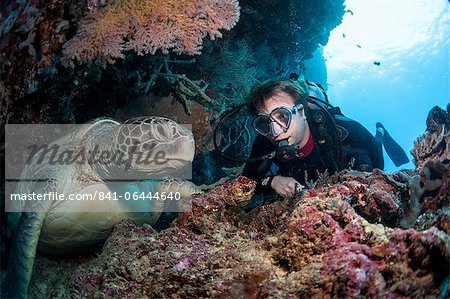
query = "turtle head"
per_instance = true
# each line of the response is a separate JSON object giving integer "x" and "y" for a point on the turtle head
{"x": 154, "y": 147}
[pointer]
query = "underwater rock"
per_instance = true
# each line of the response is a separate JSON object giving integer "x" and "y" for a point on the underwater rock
{"x": 313, "y": 246}
{"x": 218, "y": 205}
{"x": 377, "y": 197}
{"x": 418, "y": 185}
{"x": 430, "y": 186}
{"x": 435, "y": 144}
{"x": 439, "y": 219}
{"x": 437, "y": 119}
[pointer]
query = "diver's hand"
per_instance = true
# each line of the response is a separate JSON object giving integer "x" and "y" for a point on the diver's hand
{"x": 286, "y": 186}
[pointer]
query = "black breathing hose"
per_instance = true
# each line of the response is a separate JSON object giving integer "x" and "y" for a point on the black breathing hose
{"x": 216, "y": 146}
{"x": 312, "y": 100}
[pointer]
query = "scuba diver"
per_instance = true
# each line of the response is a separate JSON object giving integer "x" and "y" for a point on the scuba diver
{"x": 303, "y": 135}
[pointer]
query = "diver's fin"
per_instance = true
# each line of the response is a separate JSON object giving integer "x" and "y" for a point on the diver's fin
{"x": 393, "y": 149}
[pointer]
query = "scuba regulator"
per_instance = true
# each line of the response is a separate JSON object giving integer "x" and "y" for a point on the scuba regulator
{"x": 285, "y": 152}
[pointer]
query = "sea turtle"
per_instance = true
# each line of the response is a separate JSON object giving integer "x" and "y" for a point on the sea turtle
{"x": 61, "y": 227}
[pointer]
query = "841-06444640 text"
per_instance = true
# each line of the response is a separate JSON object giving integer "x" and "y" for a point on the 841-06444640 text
{"x": 56, "y": 196}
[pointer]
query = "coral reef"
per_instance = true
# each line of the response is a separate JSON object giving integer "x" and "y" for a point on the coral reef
{"x": 287, "y": 27}
{"x": 30, "y": 39}
{"x": 238, "y": 72}
{"x": 341, "y": 238}
{"x": 316, "y": 245}
{"x": 36, "y": 88}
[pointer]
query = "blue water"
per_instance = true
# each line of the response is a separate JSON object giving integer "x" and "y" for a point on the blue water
{"x": 410, "y": 39}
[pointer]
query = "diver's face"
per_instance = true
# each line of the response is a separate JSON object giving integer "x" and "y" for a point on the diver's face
{"x": 296, "y": 131}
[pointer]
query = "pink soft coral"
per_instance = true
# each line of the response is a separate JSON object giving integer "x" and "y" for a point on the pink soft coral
{"x": 148, "y": 26}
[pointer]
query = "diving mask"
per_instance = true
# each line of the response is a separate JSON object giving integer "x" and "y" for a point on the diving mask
{"x": 281, "y": 116}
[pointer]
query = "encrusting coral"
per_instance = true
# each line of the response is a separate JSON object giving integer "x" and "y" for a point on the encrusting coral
{"x": 312, "y": 246}
{"x": 418, "y": 185}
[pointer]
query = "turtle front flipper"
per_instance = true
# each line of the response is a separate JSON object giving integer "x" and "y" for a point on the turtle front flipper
{"x": 23, "y": 251}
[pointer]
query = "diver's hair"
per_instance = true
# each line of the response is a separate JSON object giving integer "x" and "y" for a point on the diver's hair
{"x": 260, "y": 93}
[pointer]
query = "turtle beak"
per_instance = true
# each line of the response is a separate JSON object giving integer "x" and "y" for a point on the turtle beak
{"x": 170, "y": 158}
{"x": 181, "y": 149}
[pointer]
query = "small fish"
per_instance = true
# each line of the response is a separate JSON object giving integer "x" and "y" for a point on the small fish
{"x": 377, "y": 63}
{"x": 358, "y": 46}
{"x": 343, "y": 35}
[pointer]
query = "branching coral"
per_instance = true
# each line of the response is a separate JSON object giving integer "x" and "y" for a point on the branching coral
{"x": 184, "y": 89}
{"x": 148, "y": 26}
{"x": 237, "y": 72}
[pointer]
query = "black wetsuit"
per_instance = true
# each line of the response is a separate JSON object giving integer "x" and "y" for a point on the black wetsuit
{"x": 358, "y": 150}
